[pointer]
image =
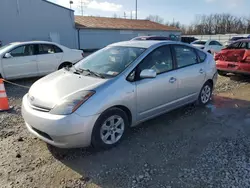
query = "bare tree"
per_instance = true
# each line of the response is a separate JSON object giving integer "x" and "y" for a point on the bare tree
{"x": 217, "y": 24}
{"x": 155, "y": 18}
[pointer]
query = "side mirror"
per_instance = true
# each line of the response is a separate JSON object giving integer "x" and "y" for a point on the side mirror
{"x": 148, "y": 73}
{"x": 7, "y": 55}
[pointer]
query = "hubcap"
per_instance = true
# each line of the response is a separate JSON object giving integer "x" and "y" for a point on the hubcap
{"x": 112, "y": 129}
{"x": 205, "y": 94}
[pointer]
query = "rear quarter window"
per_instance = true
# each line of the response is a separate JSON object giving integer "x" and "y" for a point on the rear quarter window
{"x": 202, "y": 56}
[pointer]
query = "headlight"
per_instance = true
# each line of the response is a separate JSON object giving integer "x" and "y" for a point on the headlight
{"x": 70, "y": 104}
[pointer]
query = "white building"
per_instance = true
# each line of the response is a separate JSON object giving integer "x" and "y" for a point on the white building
{"x": 98, "y": 32}
{"x": 24, "y": 20}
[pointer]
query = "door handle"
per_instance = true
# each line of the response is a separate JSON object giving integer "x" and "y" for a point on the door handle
{"x": 172, "y": 80}
{"x": 201, "y": 71}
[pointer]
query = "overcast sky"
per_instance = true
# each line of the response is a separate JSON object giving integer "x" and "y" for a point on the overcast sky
{"x": 179, "y": 10}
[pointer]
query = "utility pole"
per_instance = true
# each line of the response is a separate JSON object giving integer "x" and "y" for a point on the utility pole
{"x": 125, "y": 16}
{"x": 136, "y": 9}
{"x": 81, "y": 4}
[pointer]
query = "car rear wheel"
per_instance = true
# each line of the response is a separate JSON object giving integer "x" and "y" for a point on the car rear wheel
{"x": 205, "y": 94}
{"x": 222, "y": 73}
{"x": 110, "y": 128}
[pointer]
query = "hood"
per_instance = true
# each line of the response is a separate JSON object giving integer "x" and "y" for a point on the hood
{"x": 49, "y": 90}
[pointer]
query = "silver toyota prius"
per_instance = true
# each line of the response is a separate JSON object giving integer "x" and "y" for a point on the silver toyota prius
{"x": 98, "y": 99}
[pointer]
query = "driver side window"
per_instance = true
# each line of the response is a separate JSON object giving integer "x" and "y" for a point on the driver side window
{"x": 159, "y": 60}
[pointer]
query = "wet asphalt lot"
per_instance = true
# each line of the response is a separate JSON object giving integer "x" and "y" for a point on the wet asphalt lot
{"x": 189, "y": 147}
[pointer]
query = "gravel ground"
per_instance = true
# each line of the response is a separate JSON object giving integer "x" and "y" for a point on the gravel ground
{"x": 189, "y": 147}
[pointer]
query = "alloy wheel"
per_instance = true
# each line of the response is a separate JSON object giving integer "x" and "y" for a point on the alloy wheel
{"x": 112, "y": 129}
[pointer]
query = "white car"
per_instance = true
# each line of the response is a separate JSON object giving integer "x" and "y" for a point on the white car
{"x": 35, "y": 58}
{"x": 210, "y": 46}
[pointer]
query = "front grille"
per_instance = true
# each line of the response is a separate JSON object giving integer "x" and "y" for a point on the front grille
{"x": 42, "y": 133}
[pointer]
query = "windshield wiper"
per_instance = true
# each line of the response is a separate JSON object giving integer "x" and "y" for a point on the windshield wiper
{"x": 92, "y": 72}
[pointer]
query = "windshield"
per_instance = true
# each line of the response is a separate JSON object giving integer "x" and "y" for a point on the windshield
{"x": 110, "y": 61}
{"x": 5, "y": 46}
{"x": 199, "y": 42}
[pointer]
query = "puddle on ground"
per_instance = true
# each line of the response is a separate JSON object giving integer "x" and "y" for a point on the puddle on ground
{"x": 222, "y": 105}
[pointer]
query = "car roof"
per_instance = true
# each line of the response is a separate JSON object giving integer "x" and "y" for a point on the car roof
{"x": 32, "y": 42}
{"x": 142, "y": 44}
{"x": 242, "y": 40}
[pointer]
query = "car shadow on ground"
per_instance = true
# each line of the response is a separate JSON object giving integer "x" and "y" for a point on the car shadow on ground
{"x": 239, "y": 78}
{"x": 161, "y": 148}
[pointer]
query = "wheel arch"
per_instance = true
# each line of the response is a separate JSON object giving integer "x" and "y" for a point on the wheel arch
{"x": 64, "y": 63}
{"x": 125, "y": 109}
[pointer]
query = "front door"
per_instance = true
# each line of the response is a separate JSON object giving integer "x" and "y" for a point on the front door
{"x": 21, "y": 63}
{"x": 156, "y": 95}
{"x": 190, "y": 73}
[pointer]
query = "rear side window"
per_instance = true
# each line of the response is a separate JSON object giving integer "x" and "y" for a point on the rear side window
{"x": 202, "y": 56}
{"x": 185, "y": 56}
{"x": 48, "y": 49}
{"x": 248, "y": 45}
{"x": 57, "y": 49}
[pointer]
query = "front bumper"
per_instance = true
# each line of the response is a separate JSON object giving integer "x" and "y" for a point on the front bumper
{"x": 63, "y": 131}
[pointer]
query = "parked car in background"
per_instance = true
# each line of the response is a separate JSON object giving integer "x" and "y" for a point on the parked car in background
{"x": 171, "y": 37}
{"x": 188, "y": 40}
{"x": 35, "y": 58}
{"x": 234, "y": 59}
{"x": 236, "y": 38}
{"x": 209, "y": 46}
{"x": 115, "y": 88}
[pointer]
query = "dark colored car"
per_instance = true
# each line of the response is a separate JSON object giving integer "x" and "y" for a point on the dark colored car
{"x": 188, "y": 40}
{"x": 171, "y": 37}
{"x": 234, "y": 59}
{"x": 234, "y": 39}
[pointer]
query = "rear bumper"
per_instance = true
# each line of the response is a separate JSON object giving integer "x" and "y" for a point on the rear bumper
{"x": 63, "y": 131}
{"x": 223, "y": 66}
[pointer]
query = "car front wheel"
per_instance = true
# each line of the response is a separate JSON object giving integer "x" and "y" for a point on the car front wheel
{"x": 110, "y": 128}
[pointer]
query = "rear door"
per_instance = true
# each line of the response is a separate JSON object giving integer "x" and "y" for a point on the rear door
{"x": 49, "y": 57}
{"x": 22, "y": 63}
{"x": 190, "y": 72}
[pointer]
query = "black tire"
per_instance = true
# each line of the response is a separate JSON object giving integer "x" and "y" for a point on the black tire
{"x": 96, "y": 140}
{"x": 201, "y": 100}
{"x": 64, "y": 65}
{"x": 222, "y": 73}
